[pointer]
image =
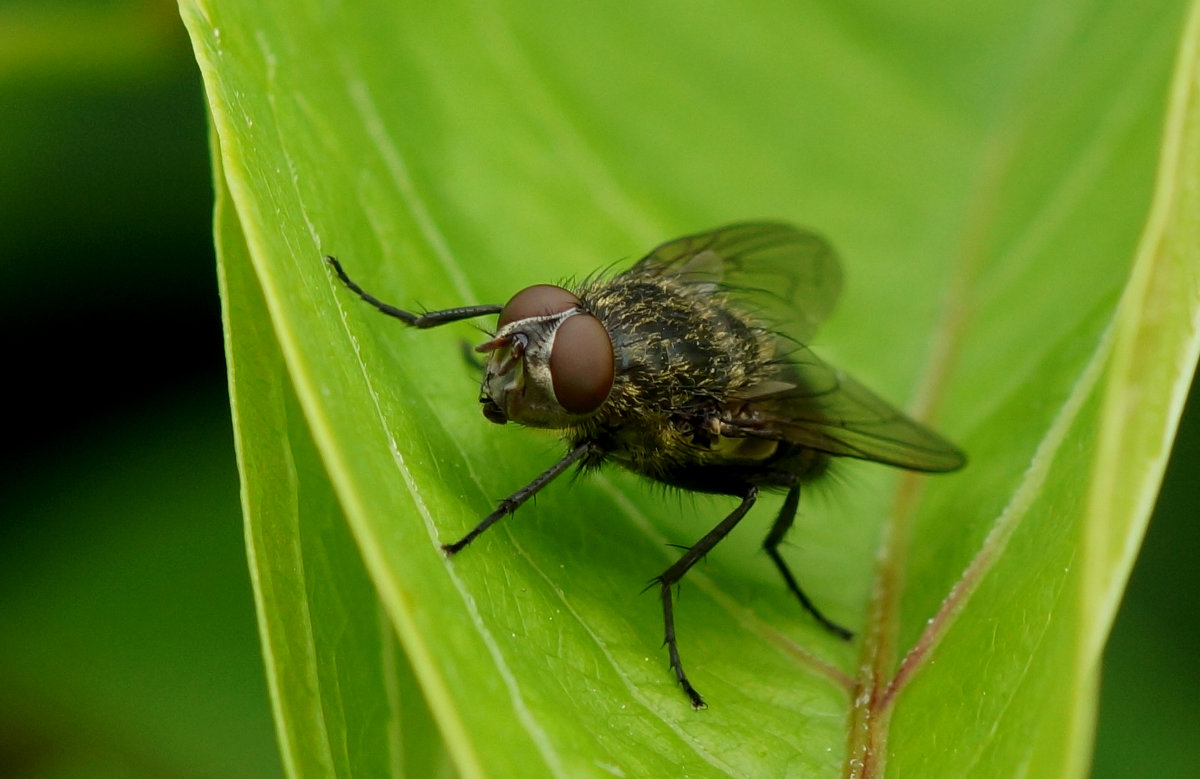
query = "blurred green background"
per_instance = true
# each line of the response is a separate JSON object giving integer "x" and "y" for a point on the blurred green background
{"x": 129, "y": 645}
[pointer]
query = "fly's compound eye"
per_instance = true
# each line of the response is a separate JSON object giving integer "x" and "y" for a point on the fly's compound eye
{"x": 538, "y": 300}
{"x": 581, "y": 363}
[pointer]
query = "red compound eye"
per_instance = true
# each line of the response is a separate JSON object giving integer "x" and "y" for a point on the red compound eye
{"x": 538, "y": 300}
{"x": 581, "y": 364}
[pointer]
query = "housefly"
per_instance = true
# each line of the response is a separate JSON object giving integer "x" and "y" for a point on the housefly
{"x": 691, "y": 368}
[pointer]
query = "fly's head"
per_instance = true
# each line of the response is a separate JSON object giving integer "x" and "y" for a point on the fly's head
{"x": 550, "y": 363}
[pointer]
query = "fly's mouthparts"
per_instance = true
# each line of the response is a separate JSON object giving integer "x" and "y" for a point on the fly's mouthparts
{"x": 515, "y": 343}
{"x": 494, "y": 344}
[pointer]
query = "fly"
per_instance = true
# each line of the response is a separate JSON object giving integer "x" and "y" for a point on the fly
{"x": 691, "y": 368}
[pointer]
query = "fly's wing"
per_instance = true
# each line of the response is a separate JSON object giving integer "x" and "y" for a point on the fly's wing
{"x": 813, "y": 405}
{"x": 789, "y": 279}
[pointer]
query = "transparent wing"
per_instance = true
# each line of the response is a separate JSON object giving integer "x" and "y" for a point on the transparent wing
{"x": 787, "y": 277}
{"x": 790, "y": 280}
{"x": 814, "y": 405}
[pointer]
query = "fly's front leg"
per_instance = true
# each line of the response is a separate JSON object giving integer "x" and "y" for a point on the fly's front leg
{"x": 514, "y": 501}
{"x": 427, "y": 319}
{"x": 470, "y": 357}
{"x": 783, "y": 523}
{"x": 672, "y": 575}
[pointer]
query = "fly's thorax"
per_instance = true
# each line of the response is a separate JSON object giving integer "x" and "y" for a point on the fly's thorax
{"x": 550, "y": 363}
{"x": 678, "y": 341}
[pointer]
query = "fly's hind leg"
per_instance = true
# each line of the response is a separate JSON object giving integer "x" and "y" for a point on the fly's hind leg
{"x": 783, "y": 523}
{"x": 672, "y": 575}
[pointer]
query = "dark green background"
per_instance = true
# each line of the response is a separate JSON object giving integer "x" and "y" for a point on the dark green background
{"x": 129, "y": 644}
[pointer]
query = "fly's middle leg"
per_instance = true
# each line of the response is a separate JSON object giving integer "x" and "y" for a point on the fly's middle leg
{"x": 672, "y": 575}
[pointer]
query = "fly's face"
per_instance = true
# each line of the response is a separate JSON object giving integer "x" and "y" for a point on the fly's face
{"x": 550, "y": 363}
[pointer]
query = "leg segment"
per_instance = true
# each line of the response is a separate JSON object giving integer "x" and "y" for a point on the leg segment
{"x": 428, "y": 319}
{"x": 513, "y": 502}
{"x": 672, "y": 575}
{"x": 783, "y": 523}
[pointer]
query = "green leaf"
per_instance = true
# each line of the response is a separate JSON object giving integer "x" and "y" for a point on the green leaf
{"x": 332, "y": 658}
{"x": 987, "y": 174}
